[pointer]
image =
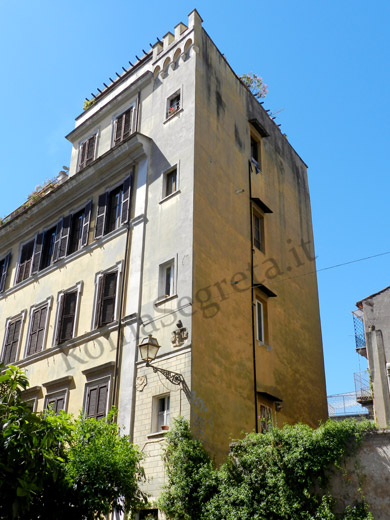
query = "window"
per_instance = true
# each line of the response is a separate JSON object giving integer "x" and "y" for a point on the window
{"x": 167, "y": 280}
{"x": 113, "y": 209}
{"x": 45, "y": 258}
{"x": 259, "y": 322}
{"x": 256, "y": 153}
{"x": 96, "y": 398}
{"x": 66, "y": 315}
{"x": 37, "y": 328}
{"x": 258, "y": 231}
{"x": 56, "y": 401}
{"x": 106, "y": 298}
{"x": 12, "y": 339}
{"x": 162, "y": 413}
{"x": 25, "y": 261}
{"x": 173, "y": 104}
{"x": 265, "y": 418}
{"x": 124, "y": 125}
{"x": 4, "y": 264}
{"x": 87, "y": 151}
{"x": 79, "y": 229}
{"x": 170, "y": 182}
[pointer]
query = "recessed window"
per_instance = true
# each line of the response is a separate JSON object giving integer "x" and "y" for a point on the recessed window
{"x": 49, "y": 238}
{"x": 4, "y": 264}
{"x": 256, "y": 153}
{"x": 124, "y": 125}
{"x": 173, "y": 104}
{"x": 170, "y": 182}
{"x": 87, "y": 151}
{"x": 25, "y": 261}
{"x": 106, "y": 298}
{"x": 96, "y": 398}
{"x": 258, "y": 231}
{"x": 113, "y": 209}
{"x": 265, "y": 418}
{"x": 66, "y": 316}
{"x": 37, "y": 329}
{"x": 55, "y": 401}
{"x": 76, "y": 231}
{"x": 161, "y": 413}
{"x": 167, "y": 279}
{"x": 259, "y": 322}
{"x": 11, "y": 340}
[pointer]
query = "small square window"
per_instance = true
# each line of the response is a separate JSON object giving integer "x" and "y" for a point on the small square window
{"x": 170, "y": 182}
{"x": 173, "y": 104}
{"x": 167, "y": 280}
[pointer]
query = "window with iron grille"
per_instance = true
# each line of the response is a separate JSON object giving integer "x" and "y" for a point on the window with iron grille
{"x": 124, "y": 125}
{"x": 87, "y": 151}
{"x": 106, "y": 298}
{"x": 96, "y": 399}
{"x": 11, "y": 341}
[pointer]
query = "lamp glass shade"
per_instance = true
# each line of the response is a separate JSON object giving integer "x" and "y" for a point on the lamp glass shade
{"x": 148, "y": 348}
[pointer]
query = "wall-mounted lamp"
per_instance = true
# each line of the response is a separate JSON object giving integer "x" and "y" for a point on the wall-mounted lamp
{"x": 149, "y": 348}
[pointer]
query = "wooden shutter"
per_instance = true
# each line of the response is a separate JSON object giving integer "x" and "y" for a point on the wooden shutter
{"x": 65, "y": 232}
{"x": 11, "y": 342}
{"x": 90, "y": 149}
{"x": 96, "y": 404}
{"x": 108, "y": 298}
{"x": 101, "y": 215}
{"x": 68, "y": 314}
{"x": 86, "y": 224}
{"x": 56, "y": 402}
{"x": 57, "y": 240}
{"x": 3, "y": 273}
{"x": 37, "y": 330}
{"x": 98, "y": 302}
{"x": 59, "y": 323}
{"x": 83, "y": 154}
{"x": 118, "y": 129}
{"x": 126, "y": 198}
{"x": 36, "y": 262}
{"x": 126, "y": 123}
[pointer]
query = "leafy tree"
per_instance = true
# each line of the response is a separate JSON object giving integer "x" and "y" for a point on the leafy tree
{"x": 269, "y": 476}
{"x": 55, "y": 467}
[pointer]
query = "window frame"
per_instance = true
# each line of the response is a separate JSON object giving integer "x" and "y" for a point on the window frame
{"x": 260, "y": 338}
{"x": 4, "y": 267}
{"x": 132, "y": 124}
{"x": 257, "y": 215}
{"x": 162, "y": 279}
{"x": 97, "y": 382}
{"x": 255, "y": 138}
{"x": 102, "y": 216}
{"x": 87, "y": 162}
{"x": 166, "y": 174}
{"x": 96, "y": 305}
{"x": 265, "y": 421}
{"x": 48, "y": 304}
{"x": 171, "y": 113}
{"x": 9, "y": 321}
{"x": 63, "y": 392}
{"x": 17, "y": 271}
{"x": 78, "y": 288}
{"x": 156, "y": 427}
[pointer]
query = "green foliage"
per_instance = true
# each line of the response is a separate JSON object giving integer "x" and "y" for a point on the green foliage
{"x": 255, "y": 84}
{"x": 88, "y": 103}
{"x": 54, "y": 467}
{"x": 265, "y": 477}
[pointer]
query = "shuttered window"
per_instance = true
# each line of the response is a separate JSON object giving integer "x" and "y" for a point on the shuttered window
{"x": 37, "y": 330}
{"x": 87, "y": 152}
{"x": 259, "y": 322}
{"x": 113, "y": 208}
{"x": 106, "y": 297}
{"x": 123, "y": 126}
{"x": 24, "y": 267}
{"x": 43, "y": 254}
{"x": 55, "y": 401}
{"x": 4, "y": 264}
{"x": 66, "y": 316}
{"x": 96, "y": 399}
{"x": 11, "y": 342}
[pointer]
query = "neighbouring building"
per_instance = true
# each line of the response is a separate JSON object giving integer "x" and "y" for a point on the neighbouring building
{"x": 372, "y": 335}
{"x": 186, "y": 216}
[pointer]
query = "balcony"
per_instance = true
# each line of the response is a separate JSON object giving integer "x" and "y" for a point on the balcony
{"x": 363, "y": 388}
{"x": 360, "y": 337}
{"x": 345, "y": 405}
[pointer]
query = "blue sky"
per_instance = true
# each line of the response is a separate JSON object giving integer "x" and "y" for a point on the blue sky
{"x": 327, "y": 67}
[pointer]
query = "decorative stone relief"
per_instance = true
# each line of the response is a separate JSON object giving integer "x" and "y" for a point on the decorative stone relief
{"x": 140, "y": 383}
{"x": 179, "y": 335}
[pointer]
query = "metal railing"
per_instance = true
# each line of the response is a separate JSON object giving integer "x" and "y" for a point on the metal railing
{"x": 358, "y": 325}
{"x": 345, "y": 404}
{"x": 363, "y": 387}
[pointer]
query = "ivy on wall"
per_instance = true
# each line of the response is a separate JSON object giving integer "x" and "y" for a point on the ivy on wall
{"x": 278, "y": 475}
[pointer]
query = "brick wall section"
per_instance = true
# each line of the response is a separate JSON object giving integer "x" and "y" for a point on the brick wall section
{"x": 150, "y": 442}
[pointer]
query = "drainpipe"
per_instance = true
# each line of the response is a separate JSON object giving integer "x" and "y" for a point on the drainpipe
{"x": 119, "y": 343}
{"x": 253, "y": 299}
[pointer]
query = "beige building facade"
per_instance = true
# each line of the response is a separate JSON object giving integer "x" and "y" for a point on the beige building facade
{"x": 185, "y": 215}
